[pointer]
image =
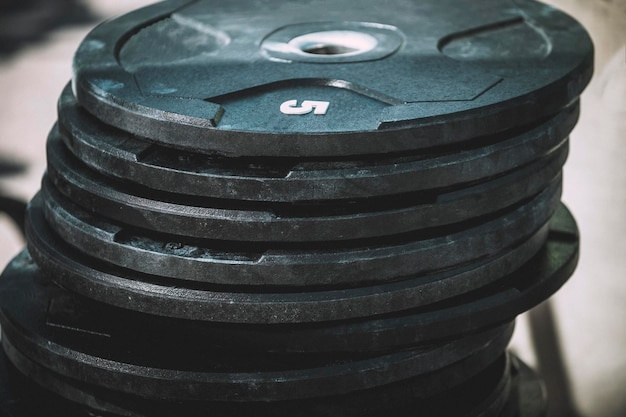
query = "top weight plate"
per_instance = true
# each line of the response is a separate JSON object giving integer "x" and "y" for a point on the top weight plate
{"x": 115, "y": 153}
{"x": 323, "y": 78}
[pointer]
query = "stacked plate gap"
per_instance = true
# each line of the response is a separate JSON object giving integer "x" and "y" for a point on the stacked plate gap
{"x": 298, "y": 210}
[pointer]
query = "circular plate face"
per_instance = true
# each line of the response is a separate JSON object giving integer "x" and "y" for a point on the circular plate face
{"x": 116, "y": 153}
{"x": 283, "y": 222}
{"x": 237, "y": 263}
{"x": 476, "y": 389}
{"x": 54, "y": 329}
{"x": 200, "y": 76}
{"x": 153, "y": 295}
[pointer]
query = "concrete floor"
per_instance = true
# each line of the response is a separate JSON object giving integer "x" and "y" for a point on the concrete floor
{"x": 589, "y": 312}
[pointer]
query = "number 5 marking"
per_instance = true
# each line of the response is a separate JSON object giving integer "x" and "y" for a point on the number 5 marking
{"x": 307, "y": 106}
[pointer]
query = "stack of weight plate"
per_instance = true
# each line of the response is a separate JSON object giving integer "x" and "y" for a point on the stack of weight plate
{"x": 316, "y": 208}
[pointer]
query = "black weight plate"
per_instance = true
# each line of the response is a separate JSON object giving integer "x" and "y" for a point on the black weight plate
{"x": 119, "y": 154}
{"x": 494, "y": 403}
{"x": 236, "y": 263}
{"x": 46, "y": 325}
{"x": 528, "y": 286}
{"x": 400, "y": 399}
{"x": 511, "y": 295}
{"x": 419, "y": 75}
{"x": 226, "y": 220}
{"x": 20, "y": 397}
{"x": 153, "y": 295}
{"x": 374, "y": 402}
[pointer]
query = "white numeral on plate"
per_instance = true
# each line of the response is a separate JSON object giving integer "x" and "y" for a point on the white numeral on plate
{"x": 307, "y": 106}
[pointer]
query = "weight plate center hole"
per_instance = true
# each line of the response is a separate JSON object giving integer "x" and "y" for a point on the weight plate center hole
{"x": 334, "y": 43}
